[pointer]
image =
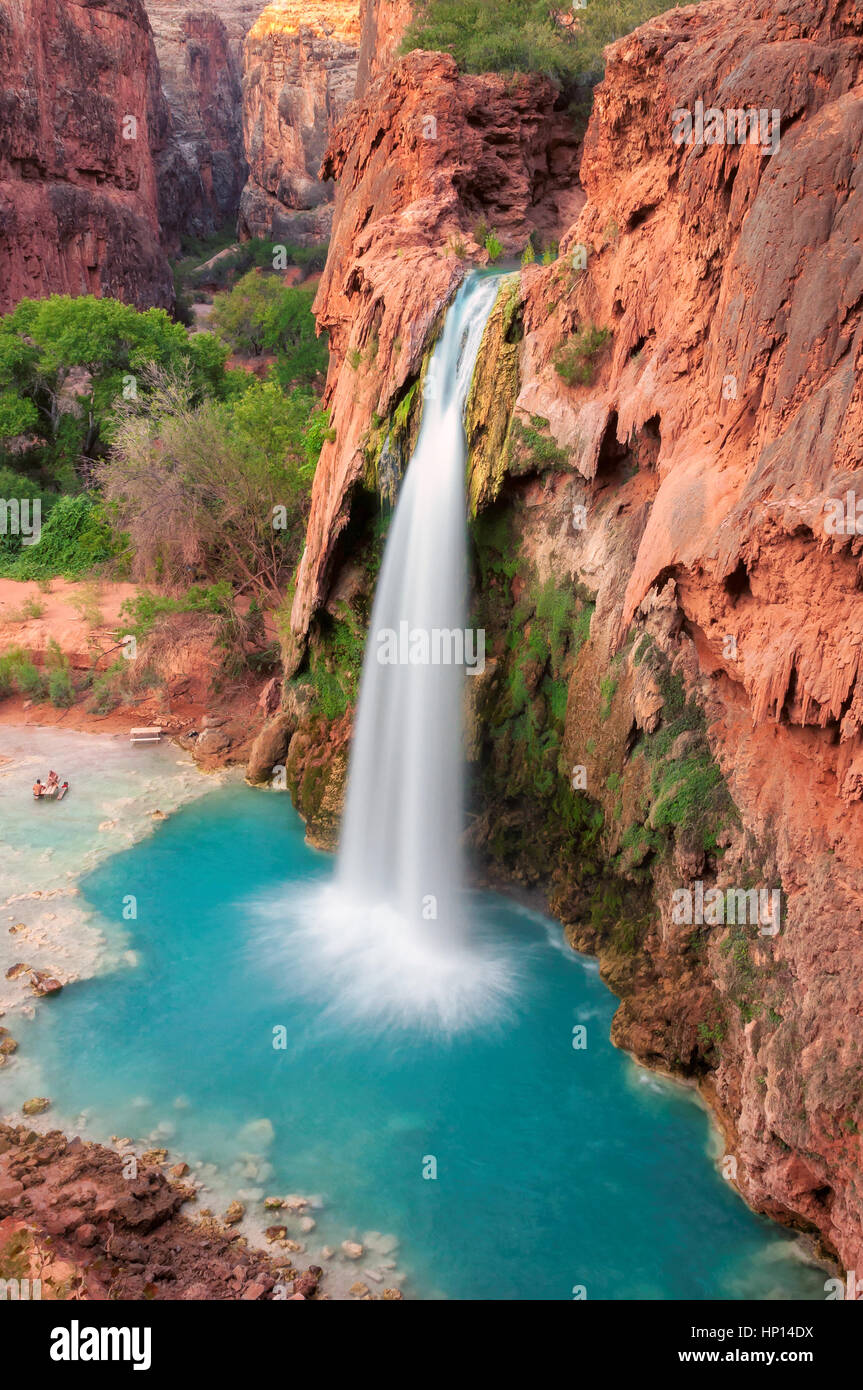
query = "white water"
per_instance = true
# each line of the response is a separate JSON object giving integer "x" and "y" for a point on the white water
{"x": 390, "y": 937}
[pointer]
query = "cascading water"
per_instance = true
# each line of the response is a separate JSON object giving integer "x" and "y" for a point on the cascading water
{"x": 400, "y": 843}
{"x": 390, "y": 936}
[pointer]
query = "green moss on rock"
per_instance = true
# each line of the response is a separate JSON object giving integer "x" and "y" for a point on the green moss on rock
{"x": 492, "y": 397}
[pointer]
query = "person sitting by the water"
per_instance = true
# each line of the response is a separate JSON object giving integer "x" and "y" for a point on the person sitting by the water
{"x": 37, "y": 788}
{"x": 53, "y": 779}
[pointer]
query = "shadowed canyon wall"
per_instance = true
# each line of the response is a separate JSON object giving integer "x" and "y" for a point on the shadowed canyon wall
{"x": 664, "y": 421}
{"x": 203, "y": 168}
{"x": 300, "y": 69}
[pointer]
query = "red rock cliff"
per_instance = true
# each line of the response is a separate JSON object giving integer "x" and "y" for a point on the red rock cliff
{"x": 383, "y": 24}
{"x": 78, "y": 201}
{"x": 731, "y": 280}
{"x": 300, "y": 68}
{"x": 419, "y": 161}
{"x": 707, "y": 439}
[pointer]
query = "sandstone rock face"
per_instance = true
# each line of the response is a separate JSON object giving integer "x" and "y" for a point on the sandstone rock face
{"x": 705, "y": 442}
{"x": 300, "y": 68}
{"x": 731, "y": 281}
{"x": 203, "y": 167}
{"x": 419, "y": 160}
{"x": 383, "y": 24}
{"x": 78, "y": 200}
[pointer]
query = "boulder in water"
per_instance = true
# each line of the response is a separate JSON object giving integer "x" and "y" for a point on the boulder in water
{"x": 37, "y": 1106}
{"x": 236, "y": 1211}
{"x": 156, "y": 1157}
{"x": 43, "y": 982}
{"x": 270, "y": 748}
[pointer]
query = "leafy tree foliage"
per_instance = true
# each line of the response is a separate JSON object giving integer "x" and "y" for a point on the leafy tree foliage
{"x": 214, "y": 489}
{"x": 260, "y": 314}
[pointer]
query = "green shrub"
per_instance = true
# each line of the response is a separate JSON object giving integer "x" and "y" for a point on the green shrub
{"x": 574, "y": 360}
{"x": 523, "y": 35}
{"x": 17, "y": 672}
{"x": 494, "y": 247}
{"x": 61, "y": 691}
{"x": 76, "y": 539}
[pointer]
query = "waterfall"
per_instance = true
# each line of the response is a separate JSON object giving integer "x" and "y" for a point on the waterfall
{"x": 390, "y": 940}
{"x": 403, "y": 818}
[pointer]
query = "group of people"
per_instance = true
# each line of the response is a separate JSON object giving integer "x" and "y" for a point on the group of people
{"x": 53, "y": 788}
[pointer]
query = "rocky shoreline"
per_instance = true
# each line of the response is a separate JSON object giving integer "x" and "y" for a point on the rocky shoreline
{"x": 72, "y": 1217}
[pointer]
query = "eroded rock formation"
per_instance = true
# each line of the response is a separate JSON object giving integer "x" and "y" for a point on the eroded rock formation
{"x": 730, "y": 280}
{"x": 425, "y": 158}
{"x": 300, "y": 69}
{"x": 673, "y": 693}
{"x": 203, "y": 169}
{"x": 81, "y": 124}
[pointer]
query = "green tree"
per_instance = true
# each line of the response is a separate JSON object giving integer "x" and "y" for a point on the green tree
{"x": 218, "y": 488}
{"x": 65, "y": 360}
{"x": 260, "y": 314}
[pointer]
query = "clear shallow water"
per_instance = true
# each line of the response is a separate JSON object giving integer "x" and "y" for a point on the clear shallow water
{"x": 555, "y": 1167}
{"x": 45, "y": 847}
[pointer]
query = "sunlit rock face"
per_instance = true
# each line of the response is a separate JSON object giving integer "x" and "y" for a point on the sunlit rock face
{"x": 82, "y": 121}
{"x": 299, "y": 74}
{"x": 383, "y": 26}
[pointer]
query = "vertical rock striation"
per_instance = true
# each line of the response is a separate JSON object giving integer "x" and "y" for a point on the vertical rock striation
{"x": 81, "y": 124}
{"x": 202, "y": 168}
{"x": 300, "y": 69}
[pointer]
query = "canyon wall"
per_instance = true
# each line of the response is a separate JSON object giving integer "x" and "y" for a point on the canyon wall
{"x": 426, "y": 159}
{"x": 299, "y": 74}
{"x": 202, "y": 169}
{"x": 664, "y": 424}
{"x": 724, "y": 412}
{"x": 78, "y": 199}
{"x": 382, "y": 24}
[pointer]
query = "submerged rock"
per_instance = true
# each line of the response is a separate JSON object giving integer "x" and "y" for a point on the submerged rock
{"x": 236, "y": 1211}
{"x": 37, "y": 1106}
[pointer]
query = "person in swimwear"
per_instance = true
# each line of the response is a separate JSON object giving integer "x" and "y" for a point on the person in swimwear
{"x": 37, "y": 788}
